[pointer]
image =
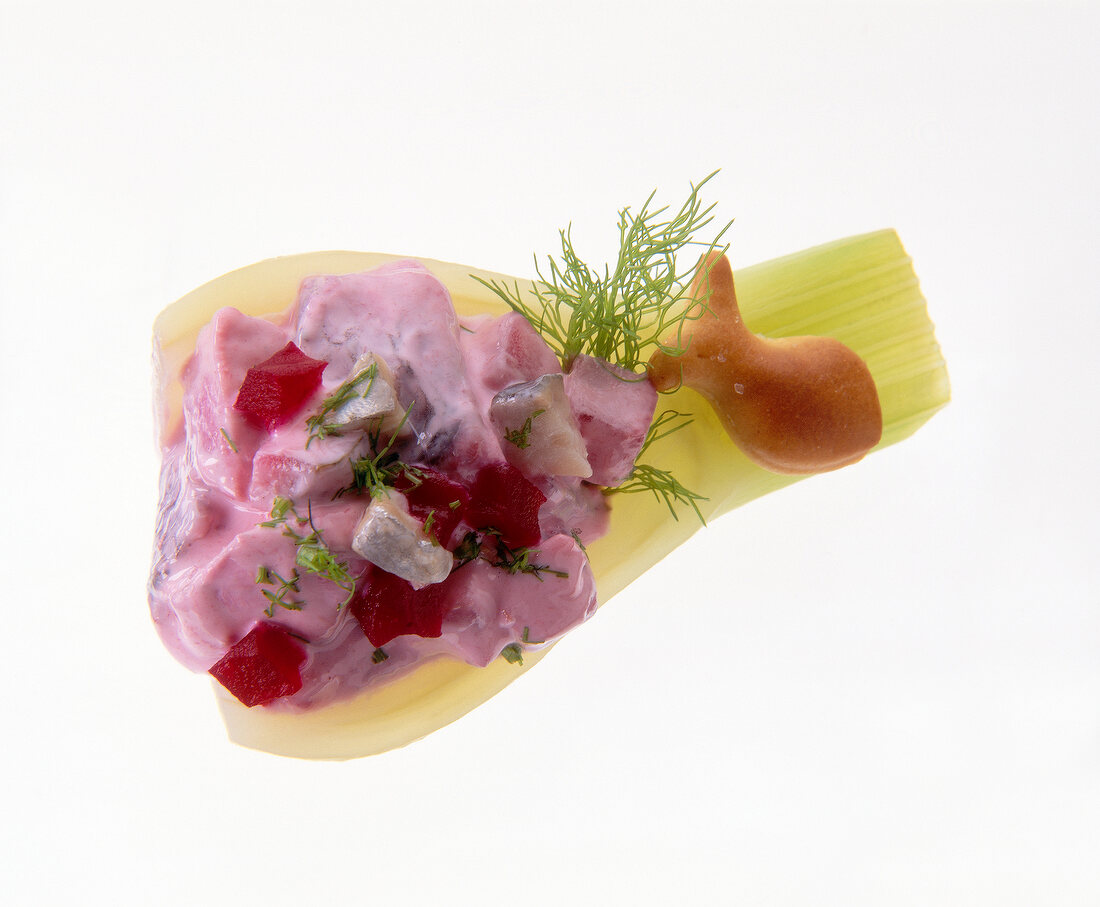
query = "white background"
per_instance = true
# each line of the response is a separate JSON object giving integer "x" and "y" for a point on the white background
{"x": 881, "y": 686}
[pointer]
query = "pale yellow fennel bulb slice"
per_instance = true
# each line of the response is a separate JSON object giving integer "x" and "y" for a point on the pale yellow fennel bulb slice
{"x": 860, "y": 290}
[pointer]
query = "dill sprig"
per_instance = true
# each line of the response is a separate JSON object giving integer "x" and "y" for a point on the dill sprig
{"x": 663, "y": 485}
{"x": 667, "y": 423}
{"x": 660, "y": 482}
{"x": 621, "y": 315}
{"x": 319, "y": 429}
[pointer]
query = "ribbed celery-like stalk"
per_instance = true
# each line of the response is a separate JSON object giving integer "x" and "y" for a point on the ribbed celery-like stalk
{"x": 861, "y": 290}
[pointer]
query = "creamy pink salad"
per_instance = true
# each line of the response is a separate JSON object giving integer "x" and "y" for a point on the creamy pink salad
{"x": 369, "y": 481}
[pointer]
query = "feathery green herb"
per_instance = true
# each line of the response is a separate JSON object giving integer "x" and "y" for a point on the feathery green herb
{"x": 660, "y": 482}
{"x": 518, "y": 560}
{"x": 633, "y": 307}
{"x": 319, "y": 429}
{"x": 373, "y": 475}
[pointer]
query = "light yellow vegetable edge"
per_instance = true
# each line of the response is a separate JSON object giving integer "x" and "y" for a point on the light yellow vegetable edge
{"x": 861, "y": 290}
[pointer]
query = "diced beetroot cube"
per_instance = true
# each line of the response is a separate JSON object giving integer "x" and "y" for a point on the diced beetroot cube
{"x": 275, "y": 389}
{"x": 504, "y": 500}
{"x": 387, "y": 606}
{"x": 263, "y": 666}
{"x": 436, "y": 493}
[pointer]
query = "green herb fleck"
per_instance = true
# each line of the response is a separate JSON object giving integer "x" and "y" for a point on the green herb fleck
{"x": 521, "y": 436}
{"x": 269, "y": 577}
{"x": 229, "y": 440}
{"x": 319, "y": 429}
{"x": 469, "y": 549}
{"x": 518, "y": 560}
{"x": 512, "y": 653}
{"x": 576, "y": 533}
{"x": 379, "y": 656}
{"x": 429, "y": 528}
{"x": 311, "y": 554}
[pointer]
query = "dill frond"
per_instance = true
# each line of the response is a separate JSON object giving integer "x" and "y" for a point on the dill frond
{"x": 663, "y": 485}
{"x": 660, "y": 482}
{"x": 626, "y": 312}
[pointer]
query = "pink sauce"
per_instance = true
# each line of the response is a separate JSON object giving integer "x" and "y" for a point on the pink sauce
{"x": 221, "y": 475}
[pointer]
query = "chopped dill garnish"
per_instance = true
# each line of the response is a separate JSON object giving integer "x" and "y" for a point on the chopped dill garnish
{"x": 373, "y": 475}
{"x": 269, "y": 577}
{"x": 498, "y": 554}
{"x": 379, "y": 656}
{"x": 512, "y": 653}
{"x": 660, "y": 482}
{"x": 518, "y": 560}
{"x": 229, "y": 440}
{"x": 319, "y": 429}
{"x": 576, "y": 533}
{"x": 311, "y": 554}
{"x": 429, "y": 528}
{"x": 469, "y": 549}
{"x": 521, "y": 437}
{"x": 632, "y": 308}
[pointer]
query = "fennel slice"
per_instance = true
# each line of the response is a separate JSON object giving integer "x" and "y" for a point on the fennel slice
{"x": 860, "y": 290}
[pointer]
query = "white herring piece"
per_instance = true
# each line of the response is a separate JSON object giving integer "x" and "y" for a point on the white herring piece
{"x": 374, "y": 400}
{"x": 538, "y": 432}
{"x": 391, "y": 538}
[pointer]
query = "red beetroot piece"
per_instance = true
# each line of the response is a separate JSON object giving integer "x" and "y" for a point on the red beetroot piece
{"x": 275, "y": 389}
{"x": 387, "y": 606}
{"x": 263, "y": 666}
{"x": 504, "y": 500}
{"x": 435, "y": 494}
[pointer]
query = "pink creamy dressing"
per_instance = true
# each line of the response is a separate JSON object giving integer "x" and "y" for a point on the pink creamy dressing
{"x": 203, "y": 592}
